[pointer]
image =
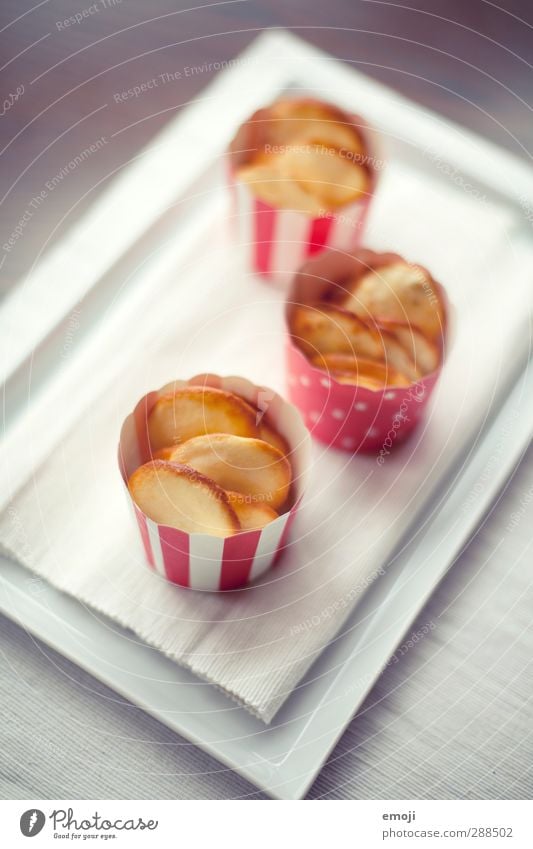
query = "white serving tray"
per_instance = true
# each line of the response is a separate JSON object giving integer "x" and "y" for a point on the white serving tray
{"x": 284, "y": 758}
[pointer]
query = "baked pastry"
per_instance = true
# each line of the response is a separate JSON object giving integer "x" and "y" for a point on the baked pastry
{"x": 307, "y": 157}
{"x": 177, "y": 496}
{"x": 218, "y": 466}
{"x": 398, "y": 292}
{"x": 196, "y": 410}
{"x": 382, "y": 328}
{"x": 239, "y": 464}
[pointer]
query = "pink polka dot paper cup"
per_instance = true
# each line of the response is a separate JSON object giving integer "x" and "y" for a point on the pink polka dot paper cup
{"x": 351, "y": 417}
{"x": 277, "y": 239}
{"x": 201, "y": 561}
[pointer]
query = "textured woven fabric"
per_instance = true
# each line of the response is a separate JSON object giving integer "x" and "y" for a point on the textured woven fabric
{"x": 450, "y": 718}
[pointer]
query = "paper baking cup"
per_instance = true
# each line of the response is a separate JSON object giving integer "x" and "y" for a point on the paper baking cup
{"x": 201, "y": 561}
{"x": 352, "y": 418}
{"x": 276, "y": 241}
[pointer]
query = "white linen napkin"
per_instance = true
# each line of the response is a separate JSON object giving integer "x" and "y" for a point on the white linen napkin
{"x": 70, "y": 523}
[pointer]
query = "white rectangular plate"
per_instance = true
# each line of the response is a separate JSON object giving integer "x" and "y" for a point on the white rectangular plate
{"x": 284, "y": 758}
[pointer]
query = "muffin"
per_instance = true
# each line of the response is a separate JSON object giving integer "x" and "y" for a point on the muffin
{"x": 367, "y": 337}
{"x": 214, "y": 479}
{"x": 304, "y": 172}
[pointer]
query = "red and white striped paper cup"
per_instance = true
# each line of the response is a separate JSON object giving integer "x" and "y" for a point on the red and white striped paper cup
{"x": 352, "y": 418}
{"x": 202, "y": 561}
{"x": 277, "y": 241}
